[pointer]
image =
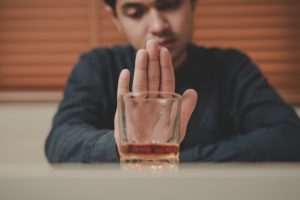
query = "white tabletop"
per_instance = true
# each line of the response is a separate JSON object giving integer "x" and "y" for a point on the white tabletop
{"x": 197, "y": 181}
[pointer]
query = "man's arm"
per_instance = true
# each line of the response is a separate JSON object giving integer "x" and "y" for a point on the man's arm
{"x": 82, "y": 129}
{"x": 266, "y": 128}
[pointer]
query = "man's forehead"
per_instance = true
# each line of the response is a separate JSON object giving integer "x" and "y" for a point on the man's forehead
{"x": 135, "y": 1}
{"x": 145, "y": 2}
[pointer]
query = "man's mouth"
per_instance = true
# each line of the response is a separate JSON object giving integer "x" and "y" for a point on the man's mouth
{"x": 165, "y": 42}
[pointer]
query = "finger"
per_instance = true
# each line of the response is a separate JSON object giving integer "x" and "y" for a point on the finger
{"x": 140, "y": 71}
{"x": 123, "y": 87}
{"x": 123, "y": 83}
{"x": 167, "y": 82}
{"x": 153, "y": 65}
{"x": 189, "y": 100}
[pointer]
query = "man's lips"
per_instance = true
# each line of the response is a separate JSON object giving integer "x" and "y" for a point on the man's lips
{"x": 166, "y": 42}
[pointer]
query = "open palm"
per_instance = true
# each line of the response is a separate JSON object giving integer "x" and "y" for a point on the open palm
{"x": 154, "y": 72}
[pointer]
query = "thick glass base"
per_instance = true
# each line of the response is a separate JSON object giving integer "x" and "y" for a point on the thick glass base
{"x": 165, "y": 163}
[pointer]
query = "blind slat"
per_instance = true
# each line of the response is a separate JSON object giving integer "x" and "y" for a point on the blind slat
{"x": 44, "y": 24}
{"x": 54, "y": 35}
{"x": 249, "y": 22}
{"x": 43, "y": 4}
{"x": 246, "y": 33}
{"x": 284, "y": 8}
{"x": 38, "y": 59}
{"x": 45, "y": 12}
{"x": 258, "y": 45}
{"x": 21, "y": 71}
{"x": 32, "y": 82}
{"x": 285, "y": 81}
{"x": 39, "y": 47}
{"x": 280, "y": 68}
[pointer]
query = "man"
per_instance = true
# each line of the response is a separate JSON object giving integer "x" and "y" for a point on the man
{"x": 237, "y": 116}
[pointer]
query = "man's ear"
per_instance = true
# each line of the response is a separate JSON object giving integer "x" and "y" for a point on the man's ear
{"x": 114, "y": 18}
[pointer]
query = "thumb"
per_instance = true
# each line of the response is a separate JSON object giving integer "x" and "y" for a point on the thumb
{"x": 189, "y": 100}
{"x": 123, "y": 87}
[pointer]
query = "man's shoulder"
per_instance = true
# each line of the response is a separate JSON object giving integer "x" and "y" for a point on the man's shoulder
{"x": 114, "y": 51}
{"x": 118, "y": 56}
{"x": 217, "y": 54}
{"x": 221, "y": 62}
{"x": 112, "y": 59}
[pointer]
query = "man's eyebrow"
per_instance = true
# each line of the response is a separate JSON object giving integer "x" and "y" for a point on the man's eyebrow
{"x": 125, "y": 6}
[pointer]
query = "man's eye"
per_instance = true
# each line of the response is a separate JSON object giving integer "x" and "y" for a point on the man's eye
{"x": 168, "y": 4}
{"x": 135, "y": 12}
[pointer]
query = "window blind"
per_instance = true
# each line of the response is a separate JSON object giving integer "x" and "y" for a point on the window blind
{"x": 268, "y": 31}
{"x": 40, "y": 40}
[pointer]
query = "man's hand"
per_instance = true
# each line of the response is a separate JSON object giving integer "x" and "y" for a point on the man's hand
{"x": 154, "y": 72}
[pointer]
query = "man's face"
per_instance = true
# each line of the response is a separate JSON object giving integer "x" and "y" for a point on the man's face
{"x": 170, "y": 22}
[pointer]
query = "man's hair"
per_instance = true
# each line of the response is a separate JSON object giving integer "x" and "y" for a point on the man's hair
{"x": 112, "y": 4}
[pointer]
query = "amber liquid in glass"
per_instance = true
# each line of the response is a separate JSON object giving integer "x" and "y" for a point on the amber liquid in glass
{"x": 150, "y": 154}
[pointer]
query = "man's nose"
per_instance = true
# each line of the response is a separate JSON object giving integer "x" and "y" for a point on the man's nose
{"x": 158, "y": 22}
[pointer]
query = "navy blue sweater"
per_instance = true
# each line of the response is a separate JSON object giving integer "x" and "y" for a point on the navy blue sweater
{"x": 238, "y": 116}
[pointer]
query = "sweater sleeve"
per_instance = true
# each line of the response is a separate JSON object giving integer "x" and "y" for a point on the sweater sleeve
{"x": 265, "y": 127}
{"x": 82, "y": 128}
